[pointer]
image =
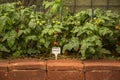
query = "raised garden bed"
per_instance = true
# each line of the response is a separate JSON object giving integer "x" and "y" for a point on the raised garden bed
{"x": 25, "y": 32}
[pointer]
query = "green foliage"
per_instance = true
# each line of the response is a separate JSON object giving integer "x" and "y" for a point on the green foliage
{"x": 118, "y": 48}
{"x": 54, "y": 5}
{"x": 24, "y": 32}
{"x": 20, "y": 28}
{"x": 97, "y": 37}
{"x": 73, "y": 44}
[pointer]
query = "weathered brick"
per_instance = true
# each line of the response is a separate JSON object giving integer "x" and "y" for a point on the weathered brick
{"x": 4, "y": 70}
{"x": 27, "y": 75}
{"x": 4, "y": 64}
{"x": 65, "y": 70}
{"x": 65, "y": 75}
{"x": 27, "y": 64}
{"x": 27, "y": 69}
{"x": 103, "y": 75}
{"x": 102, "y": 64}
{"x": 102, "y": 70}
{"x": 64, "y": 65}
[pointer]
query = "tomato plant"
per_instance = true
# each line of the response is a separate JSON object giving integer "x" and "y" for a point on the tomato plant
{"x": 96, "y": 37}
{"x": 20, "y": 28}
{"x": 26, "y": 32}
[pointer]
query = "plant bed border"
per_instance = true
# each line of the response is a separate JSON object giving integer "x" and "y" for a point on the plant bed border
{"x": 65, "y": 69}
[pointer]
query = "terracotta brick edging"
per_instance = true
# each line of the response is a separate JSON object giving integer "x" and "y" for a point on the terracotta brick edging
{"x": 65, "y": 70}
{"x": 35, "y": 69}
{"x": 4, "y": 70}
{"x": 102, "y": 70}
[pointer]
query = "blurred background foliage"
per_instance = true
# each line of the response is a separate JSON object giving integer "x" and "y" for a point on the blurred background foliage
{"x": 74, "y": 5}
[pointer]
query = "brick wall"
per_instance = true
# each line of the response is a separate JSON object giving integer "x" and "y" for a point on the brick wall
{"x": 35, "y": 69}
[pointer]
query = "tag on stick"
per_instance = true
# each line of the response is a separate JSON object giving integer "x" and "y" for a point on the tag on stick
{"x": 56, "y": 51}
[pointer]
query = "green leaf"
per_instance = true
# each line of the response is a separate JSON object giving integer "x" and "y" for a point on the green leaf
{"x": 32, "y": 51}
{"x": 26, "y": 31}
{"x": 47, "y": 4}
{"x": 58, "y": 26}
{"x": 105, "y": 31}
{"x": 3, "y": 48}
{"x": 76, "y": 30}
{"x": 118, "y": 49}
{"x": 51, "y": 31}
{"x": 32, "y": 24}
{"x": 90, "y": 45}
{"x": 45, "y": 31}
{"x": 32, "y": 37}
{"x": 54, "y": 8}
{"x": 88, "y": 29}
{"x": 3, "y": 20}
{"x": 47, "y": 43}
{"x": 73, "y": 44}
{"x": 92, "y": 50}
{"x": 104, "y": 51}
{"x": 42, "y": 40}
{"x": 10, "y": 37}
{"x": 20, "y": 33}
{"x": 67, "y": 47}
{"x": 90, "y": 26}
{"x": 57, "y": 30}
{"x": 17, "y": 54}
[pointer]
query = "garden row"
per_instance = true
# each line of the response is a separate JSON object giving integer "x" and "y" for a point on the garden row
{"x": 25, "y": 32}
{"x": 35, "y": 69}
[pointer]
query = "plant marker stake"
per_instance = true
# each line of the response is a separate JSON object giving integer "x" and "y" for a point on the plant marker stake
{"x": 56, "y": 51}
{"x": 56, "y": 56}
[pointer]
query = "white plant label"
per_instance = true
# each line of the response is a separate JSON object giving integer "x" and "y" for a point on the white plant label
{"x": 56, "y": 51}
